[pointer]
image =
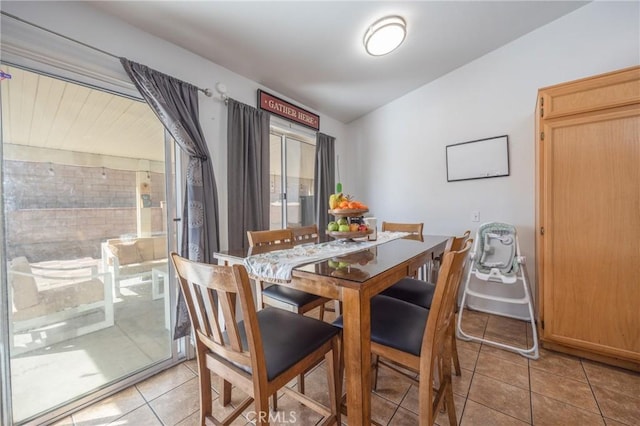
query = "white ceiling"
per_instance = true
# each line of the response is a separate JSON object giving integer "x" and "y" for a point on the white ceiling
{"x": 311, "y": 51}
{"x": 56, "y": 116}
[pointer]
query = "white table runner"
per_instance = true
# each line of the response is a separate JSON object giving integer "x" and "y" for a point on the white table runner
{"x": 277, "y": 266}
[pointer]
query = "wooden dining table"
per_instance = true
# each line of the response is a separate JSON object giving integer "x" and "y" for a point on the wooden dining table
{"x": 354, "y": 279}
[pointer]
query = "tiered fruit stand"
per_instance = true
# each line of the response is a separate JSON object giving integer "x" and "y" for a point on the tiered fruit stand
{"x": 349, "y": 214}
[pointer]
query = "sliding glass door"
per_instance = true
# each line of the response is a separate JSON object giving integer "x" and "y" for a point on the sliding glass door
{"x": 292, "y": 157}
{"x": 86, "y": 202}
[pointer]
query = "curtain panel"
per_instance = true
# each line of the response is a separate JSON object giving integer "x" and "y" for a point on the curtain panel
{"x": 324, "y": 179}
{"x": 176, "y": 105}
{"x": 248, "y": 171}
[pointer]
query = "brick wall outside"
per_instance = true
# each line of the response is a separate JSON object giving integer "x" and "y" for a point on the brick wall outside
{"x": 67, "y": 214}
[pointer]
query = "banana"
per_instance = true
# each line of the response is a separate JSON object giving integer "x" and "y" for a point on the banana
{"x": 335, "y": 200}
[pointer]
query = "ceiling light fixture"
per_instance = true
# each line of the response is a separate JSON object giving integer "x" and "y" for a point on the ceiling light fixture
{"x": 385, "y": 35}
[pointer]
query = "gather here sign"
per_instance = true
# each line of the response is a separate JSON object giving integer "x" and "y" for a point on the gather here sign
{"x": 287, "y": 110}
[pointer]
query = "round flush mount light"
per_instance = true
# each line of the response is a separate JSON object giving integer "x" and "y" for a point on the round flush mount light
{"x": 385, "y": 35}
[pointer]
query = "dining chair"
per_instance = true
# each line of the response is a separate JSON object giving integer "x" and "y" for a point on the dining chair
{"x": 420, "y": 292}
{"x": 309, "y": 234}
{"x": 415, "y": 233}
{"x": 305, "y": 234}
{"x": 412, "y": 228}
{"x": 280, "y": 296}
{"x": 259, "y": 354}
{"x": 419, "y": 339}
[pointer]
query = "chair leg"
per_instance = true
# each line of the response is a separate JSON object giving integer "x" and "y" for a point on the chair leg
{"x": 301, "y": 383}
{"x": 451, "y": 409}
{"x": 225, "y": 392}
{"x": 204, "y": 379}
{"x": 261, "y": 404}
{"x": 334, "y": 378}
{"x": 454, "y": 350}
{"x": 274, "y": 401}
{"x": 259, "y": 298}
{"x": 445, "y": 382}
{"x": 374, "y": 371}
{"x": 321, "y": 316}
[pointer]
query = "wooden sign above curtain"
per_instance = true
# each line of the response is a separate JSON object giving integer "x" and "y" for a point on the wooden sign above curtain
{"x": 286, "y": 110}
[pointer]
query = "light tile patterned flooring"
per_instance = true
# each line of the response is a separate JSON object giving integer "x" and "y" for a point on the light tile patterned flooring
{"x": 496, "y": 388}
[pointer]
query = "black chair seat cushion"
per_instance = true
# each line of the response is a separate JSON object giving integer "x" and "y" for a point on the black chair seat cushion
{"x": 287, "y": 338}
{"x": 290, "y": 296}
{"x": 413, "y": 291}
{"x": 396, "y": 323}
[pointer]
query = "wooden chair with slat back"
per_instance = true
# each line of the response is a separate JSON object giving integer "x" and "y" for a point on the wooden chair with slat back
{"x": 420, "y": 293}
{"x": 270, "y": 237}
{"x": 281, "y": 296}
{"x": 413, "y": 228}
{"x": 415, "y": 233}
{"x": 305, "y": 234}
{"x": 395, "y": 325}
{"x": 259, "y": 354}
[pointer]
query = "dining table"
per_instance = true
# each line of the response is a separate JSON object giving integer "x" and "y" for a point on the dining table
{"x": 354, "y": 279}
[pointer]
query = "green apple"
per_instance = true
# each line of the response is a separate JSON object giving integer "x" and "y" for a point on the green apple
{"x": 343, "y": 228}
{"x": 332, "y": 226}
{"x": 342, "y": 221}
{"x": 333, "y": 264}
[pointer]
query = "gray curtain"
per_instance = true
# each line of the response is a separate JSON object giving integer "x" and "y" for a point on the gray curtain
{"x": 324, "y": 179}
{"x": 248, "y": 171}
{"x": 176, "y": 105}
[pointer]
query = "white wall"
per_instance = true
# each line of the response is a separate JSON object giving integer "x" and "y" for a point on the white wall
{"x": 397, "y": 153}
{"x": 84, "y": 23}
{"x": 394, "y": 158}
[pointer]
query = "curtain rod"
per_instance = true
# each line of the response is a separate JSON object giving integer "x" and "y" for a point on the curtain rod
{"x": 206, "y": 91}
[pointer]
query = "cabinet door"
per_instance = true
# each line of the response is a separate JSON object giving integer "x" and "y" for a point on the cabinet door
{"x": 591, "y": 245}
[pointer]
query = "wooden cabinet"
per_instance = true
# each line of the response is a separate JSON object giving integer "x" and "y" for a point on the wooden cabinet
{"x": 588, "y": 217}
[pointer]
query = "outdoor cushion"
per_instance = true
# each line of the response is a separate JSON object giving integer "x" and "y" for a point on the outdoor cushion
{"x": 126, "y": 253}
{"x": 66, "y": 295}
{"x": 145, "y": 248}
{"x": 25, "y": 289}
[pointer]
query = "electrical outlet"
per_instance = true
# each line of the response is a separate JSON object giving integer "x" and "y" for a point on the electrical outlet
{"x": 475, "y": 216}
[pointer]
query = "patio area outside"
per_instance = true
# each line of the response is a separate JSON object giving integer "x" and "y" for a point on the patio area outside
{"x": 58, "y": 373}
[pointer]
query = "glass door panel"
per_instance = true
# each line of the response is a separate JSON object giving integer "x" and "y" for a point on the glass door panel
{"x": 84, "y": 191}
{"x": 296, "y": 176}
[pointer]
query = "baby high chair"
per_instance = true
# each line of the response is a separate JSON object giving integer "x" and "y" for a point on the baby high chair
{"x": 496, "y": 261}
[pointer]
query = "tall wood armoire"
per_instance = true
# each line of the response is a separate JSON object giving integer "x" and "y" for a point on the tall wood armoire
{"x": 588, "y": 217}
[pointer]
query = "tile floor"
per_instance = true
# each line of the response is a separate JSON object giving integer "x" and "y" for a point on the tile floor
{"x": 496, "y": 388}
